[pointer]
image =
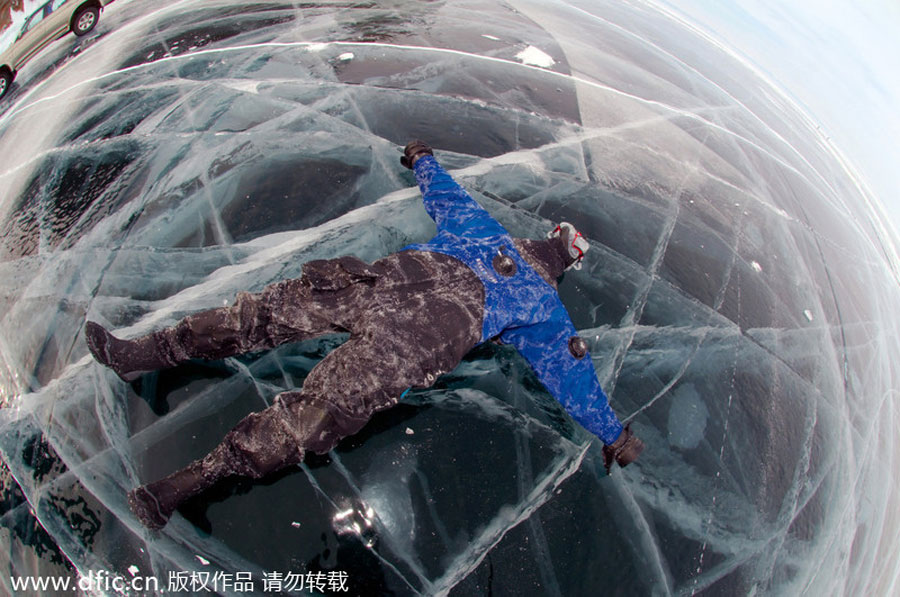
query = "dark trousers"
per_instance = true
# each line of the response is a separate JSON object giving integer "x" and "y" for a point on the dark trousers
{"x": 411, "y": 317}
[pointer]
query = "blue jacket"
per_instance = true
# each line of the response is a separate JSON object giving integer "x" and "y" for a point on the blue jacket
{"x": 521, "y": 309}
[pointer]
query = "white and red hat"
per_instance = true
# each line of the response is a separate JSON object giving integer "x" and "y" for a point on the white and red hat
{"x": 575, "y": 242}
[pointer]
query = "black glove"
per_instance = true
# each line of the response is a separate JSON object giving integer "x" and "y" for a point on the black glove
{"x": 624, "y": 450}
{"x": 413, "y": 151}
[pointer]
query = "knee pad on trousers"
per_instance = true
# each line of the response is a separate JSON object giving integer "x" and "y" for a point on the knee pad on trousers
{"x": 258, "y": 446}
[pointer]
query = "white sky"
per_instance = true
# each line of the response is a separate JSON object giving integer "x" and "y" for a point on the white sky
{"x": 839, "y": 59}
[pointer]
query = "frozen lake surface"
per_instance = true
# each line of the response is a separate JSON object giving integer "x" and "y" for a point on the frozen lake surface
{"x": 740, "y": 302}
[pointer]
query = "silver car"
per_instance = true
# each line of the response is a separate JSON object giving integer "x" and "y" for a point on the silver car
{"x": 48, "y": 23}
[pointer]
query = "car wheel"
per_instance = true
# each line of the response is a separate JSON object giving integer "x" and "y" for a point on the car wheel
{"x": 5, "y": 81}
{"x": 85, "y": 20}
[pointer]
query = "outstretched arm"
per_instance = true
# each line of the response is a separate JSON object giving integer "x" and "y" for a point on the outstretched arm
{"x": 449, "y": 205}
{"x": 568, "y": 374}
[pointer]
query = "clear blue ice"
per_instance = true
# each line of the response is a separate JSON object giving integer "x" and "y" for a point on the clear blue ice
{"x": 740, "y": 301}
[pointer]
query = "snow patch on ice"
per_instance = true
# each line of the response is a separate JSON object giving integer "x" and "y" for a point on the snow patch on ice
{"x": 245, "y": 86}
{"x": 535, "y": 57}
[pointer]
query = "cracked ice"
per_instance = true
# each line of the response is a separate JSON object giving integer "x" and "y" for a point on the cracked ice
{"x": 738, "y": 300}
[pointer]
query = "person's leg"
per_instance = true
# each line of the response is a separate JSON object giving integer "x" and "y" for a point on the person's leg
{"x": 366, "y": 374}
{"x": 260, "y": 444}
{"x": 280, "y": 435}
{"x": 283, "y": 312}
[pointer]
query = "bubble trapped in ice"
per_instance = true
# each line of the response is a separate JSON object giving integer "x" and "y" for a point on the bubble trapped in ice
{"x": 188, "y": 152}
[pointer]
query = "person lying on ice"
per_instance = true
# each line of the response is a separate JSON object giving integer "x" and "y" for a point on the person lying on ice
{"x": 412, "y": 316}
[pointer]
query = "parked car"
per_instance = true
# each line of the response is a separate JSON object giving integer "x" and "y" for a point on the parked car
{"x": 45, "y": 25}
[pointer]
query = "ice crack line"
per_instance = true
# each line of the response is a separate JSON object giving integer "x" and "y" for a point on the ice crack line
{"x": 507, "y": 519}
{"x": 725, "y": 49}
{"x": 318, "y": 46}
{"x": 716, "y": 481}
{"x": 698, "y": 341}
{"x": 349, "y": 478}
{"x": 634, "y": 313}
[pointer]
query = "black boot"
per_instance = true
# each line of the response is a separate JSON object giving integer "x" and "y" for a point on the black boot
{"x": 128, "y": 358}
{"x": 154, "y": 503}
